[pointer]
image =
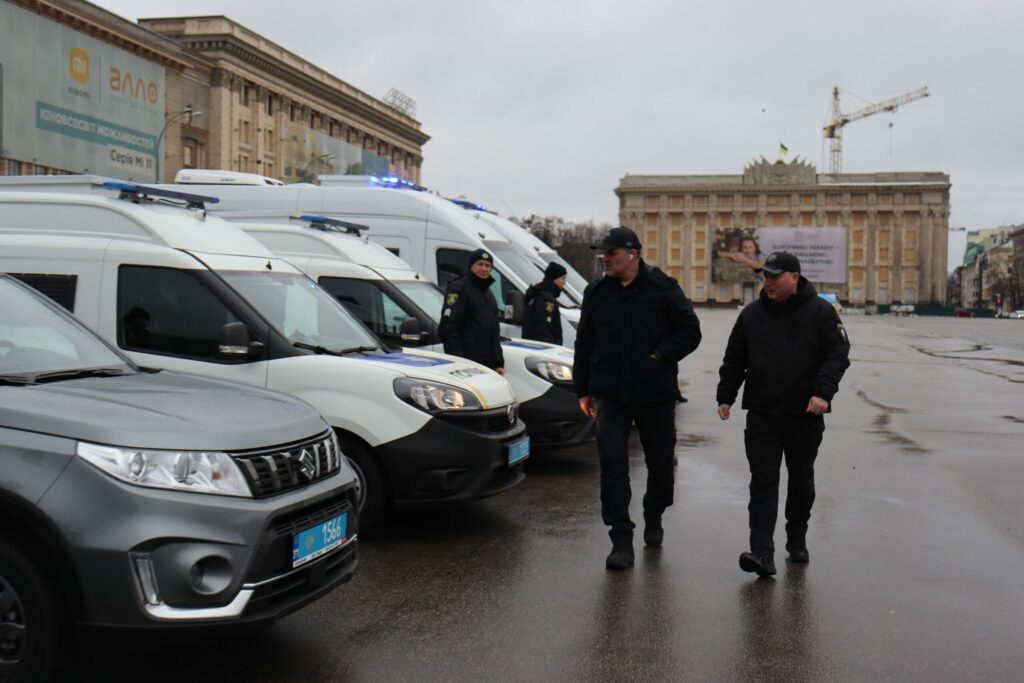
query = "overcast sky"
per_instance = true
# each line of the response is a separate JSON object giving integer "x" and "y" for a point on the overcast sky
{"x": 542, "y": 106}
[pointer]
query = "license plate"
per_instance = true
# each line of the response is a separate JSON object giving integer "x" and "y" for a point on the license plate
{"x": 520, "y": 450}
{"x": 316, "y": 541}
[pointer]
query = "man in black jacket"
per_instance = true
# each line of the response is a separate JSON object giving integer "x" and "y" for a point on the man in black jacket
{"x": 469, "y": 319}
{"x": 791, "y": 350}
{"x": 541, "y": 320}
{"x": 635, "y": 326}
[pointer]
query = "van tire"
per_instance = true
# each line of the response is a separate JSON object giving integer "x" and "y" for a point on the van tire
{"x": 369, "y": 482}
{"x": 30, "y": 625}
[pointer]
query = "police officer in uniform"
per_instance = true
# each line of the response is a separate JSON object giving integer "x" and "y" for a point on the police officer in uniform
{"x": 635, "y": 326}
{"x": 469, "y": 320}
{"x": 791, "y": 349}
{"x": 542, "y": 320}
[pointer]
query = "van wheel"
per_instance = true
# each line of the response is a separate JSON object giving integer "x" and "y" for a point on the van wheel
{"x": 369, "y": 482}
{"x": 30, "y": 626}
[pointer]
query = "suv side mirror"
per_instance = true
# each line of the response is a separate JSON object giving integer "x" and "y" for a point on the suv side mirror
{"x": 410, "y": 331}
{"x": 514, "y": 308}
{"x": 235, "y": 342}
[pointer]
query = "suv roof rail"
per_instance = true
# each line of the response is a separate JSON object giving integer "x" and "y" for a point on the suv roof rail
{"x": 324, "y": 223}
{"x": 135, "y": 193}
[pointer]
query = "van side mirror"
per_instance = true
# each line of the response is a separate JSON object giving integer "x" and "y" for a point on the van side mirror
{"x": 410, "y": 332}
{"x": 235, "y": 341}
{"x": 514, "y": 308}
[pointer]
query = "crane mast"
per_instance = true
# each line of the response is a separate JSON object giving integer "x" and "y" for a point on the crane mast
{"x": 834, "y": 128}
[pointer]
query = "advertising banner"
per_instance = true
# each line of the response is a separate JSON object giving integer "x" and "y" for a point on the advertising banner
{"x": 73, "y": 102}
{"x": 737, "y": 252}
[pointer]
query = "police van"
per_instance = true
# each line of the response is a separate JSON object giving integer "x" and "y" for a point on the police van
{"x": 403, "y": 308}
{"x": 428, "y": 232}
{"x": 177, "y": 288}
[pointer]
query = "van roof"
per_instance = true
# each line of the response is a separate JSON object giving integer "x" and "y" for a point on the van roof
{"x": 154, "y": 222}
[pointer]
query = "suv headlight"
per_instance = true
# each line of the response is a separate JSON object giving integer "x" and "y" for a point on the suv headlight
{"x": 552, "y": 371}
{"x": 435, "y": 397}
{"x": 196, "y": 471}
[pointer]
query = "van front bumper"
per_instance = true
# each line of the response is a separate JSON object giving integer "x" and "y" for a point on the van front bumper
{"x": 554, "y": 420}
{"x": 455, "y": 458}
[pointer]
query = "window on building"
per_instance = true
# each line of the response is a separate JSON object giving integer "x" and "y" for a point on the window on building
{"x": 169, "y": 312}
{"x": 883, "y": 295}
{"x": 13, "y": 167}
{"x": 270, "y": 105}
{"x": 188, "y": 154}
{"x": 268, "y": 169}
{"x": 245, "y": 94}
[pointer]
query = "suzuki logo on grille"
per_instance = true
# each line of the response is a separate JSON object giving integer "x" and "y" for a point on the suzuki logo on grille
{"x": 307, "y": 464}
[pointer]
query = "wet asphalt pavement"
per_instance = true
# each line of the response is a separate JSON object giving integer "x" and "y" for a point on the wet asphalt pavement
{"x": 916, "y": 541}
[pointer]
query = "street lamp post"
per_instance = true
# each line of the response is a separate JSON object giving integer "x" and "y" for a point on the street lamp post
{"x": 187, "y": 111}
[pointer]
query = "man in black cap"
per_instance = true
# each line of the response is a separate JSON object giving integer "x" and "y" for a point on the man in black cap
{"x": 635, "y": 326}
{"x": 541, "y": 320}
{"x": 791, "y": 350}
{"x": 469, "y": 319}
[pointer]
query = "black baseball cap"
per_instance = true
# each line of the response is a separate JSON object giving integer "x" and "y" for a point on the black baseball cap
{"x": 618, "y": 238}
{"x": 780, "y": 262}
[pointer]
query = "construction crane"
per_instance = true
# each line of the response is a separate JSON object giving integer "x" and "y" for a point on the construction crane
{"x": 834, "y": 128}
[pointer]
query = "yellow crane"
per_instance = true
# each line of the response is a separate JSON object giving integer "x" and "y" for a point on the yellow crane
{"x": 834, "y": 128}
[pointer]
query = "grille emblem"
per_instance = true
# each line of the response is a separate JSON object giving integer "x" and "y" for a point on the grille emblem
{"x": 511, "y": 414}
{"x": 307, "y": 464}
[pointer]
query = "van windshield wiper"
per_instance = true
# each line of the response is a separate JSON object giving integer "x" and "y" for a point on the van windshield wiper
{"x": 15, "y": 380}
{"x": 317, "y": 348}
{"x": 359, "y": 349}
{"x": 60, "y": 375}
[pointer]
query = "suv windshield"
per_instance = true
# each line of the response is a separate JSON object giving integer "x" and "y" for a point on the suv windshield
{"x": 38, "y": 338}
{"x": 301, "y": 310}
{"x": 526, "y": 269}
{"x": 426, "y": 295}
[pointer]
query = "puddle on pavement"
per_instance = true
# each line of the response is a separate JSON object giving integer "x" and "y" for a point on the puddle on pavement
{"x": 883, "y": 422}
{"x": 1014, "y": 418}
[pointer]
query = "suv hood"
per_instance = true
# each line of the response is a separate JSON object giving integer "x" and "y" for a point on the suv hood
{"x": 490, "y": 387}
{"x": 161, "y": 411}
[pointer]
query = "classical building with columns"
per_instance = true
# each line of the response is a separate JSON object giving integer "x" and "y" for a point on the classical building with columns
{"x": 894, "y": 226}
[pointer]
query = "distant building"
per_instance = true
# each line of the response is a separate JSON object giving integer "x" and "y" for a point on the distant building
{"x": 883, "y": 236}
{"x": 1017, "y": 276}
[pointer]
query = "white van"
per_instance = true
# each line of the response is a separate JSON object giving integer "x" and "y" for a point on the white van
{"x": 403, "y": 308}
{"x": 428, "y": 232}
{"x": 179, "y": 289}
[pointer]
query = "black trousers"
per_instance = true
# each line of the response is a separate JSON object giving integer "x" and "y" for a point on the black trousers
{"x": 656, "y": 423}
{"x": 768, "y": 438}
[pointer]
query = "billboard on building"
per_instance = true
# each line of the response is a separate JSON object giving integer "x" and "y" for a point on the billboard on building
{"x": 73, "y": 102}
{"x": 737, "y": 252}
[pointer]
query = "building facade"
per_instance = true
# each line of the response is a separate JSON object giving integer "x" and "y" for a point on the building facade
{"x": 140, "y": 101}
{"x": 882, "y": 236}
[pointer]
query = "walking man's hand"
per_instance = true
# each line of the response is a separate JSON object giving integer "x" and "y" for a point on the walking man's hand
{"x": 588, "y": 408}
{"x": 723, "y": 411}
{"x": 817, "y": 406}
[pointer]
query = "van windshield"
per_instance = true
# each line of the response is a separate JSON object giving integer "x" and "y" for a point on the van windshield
{"x": 526, "y": 269}
{"x": 426, "y": 295}
{"x": 301, "y": 310}
{"x": 37, "y": 337}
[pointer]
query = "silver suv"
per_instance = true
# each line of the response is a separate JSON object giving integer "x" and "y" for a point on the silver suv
{"x": 154, "y": 504}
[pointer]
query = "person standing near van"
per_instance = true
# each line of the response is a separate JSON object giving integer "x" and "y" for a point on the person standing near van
{"x": 635, "y": 327}
{"x": 791, "y": 350}
{"x": 542, "y": 320}
{"x": 470, "y": 326}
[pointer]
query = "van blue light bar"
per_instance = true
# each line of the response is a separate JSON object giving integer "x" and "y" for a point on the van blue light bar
{"x": 466, "y": 204}
{"x": 394, "y": 181}
{"x": 325, "y": 223}
{"x": 134, "y": 191}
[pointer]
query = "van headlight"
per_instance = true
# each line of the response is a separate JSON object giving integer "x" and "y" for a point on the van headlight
{"x": 552, "y": 371}
{"x": 196, "y": 471}
{"x": 435, "y": 397}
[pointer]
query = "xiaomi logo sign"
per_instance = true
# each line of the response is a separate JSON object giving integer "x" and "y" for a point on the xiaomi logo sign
{"x": 78, "y": 65}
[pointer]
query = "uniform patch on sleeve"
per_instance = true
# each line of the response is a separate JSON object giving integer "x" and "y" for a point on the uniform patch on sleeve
{"x": 452, "y": 298}
{"x": 550, "y": 307}
{"x": 447, "y": 312}
{"x": 842, "y": 332}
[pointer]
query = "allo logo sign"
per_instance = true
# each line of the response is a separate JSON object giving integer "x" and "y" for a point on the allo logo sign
{"x": 78, "y": 65}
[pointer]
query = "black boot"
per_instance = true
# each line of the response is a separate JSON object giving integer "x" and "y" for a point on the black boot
{"x": 759, "y": 561}
{"x": 621, "y": 556}
{"x": 654, "y": 534}
{"x": 797, "y": 550}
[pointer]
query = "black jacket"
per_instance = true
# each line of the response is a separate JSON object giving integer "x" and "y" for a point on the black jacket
{"x": 622, "y": 327}
{"x": 785, "y": 353}
{"x": 541, "y": 319}
{"x": 469, "y": 321}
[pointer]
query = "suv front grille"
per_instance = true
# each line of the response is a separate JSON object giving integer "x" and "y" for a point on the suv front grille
{"x": 276, "y": 470}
